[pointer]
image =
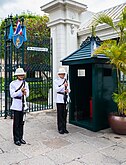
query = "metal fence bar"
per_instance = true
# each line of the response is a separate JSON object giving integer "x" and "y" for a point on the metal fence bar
{"x": 35, "y": 56}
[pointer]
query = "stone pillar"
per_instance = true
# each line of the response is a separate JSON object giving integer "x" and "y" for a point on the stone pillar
{"x": 64, "y": 21}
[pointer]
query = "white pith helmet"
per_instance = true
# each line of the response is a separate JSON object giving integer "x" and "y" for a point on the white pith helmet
{"x": 19, "y": 71}
{"x": 61, "y": 71}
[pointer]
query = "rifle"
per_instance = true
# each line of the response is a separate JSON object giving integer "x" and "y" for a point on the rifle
{"x": 24, "y": 103}
{"x": 65, "y": 104}
{"x": 65, "y": 94}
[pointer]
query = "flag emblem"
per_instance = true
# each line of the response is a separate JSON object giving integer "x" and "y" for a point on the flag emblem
{"x": 18, "y": 40}
{"x": 17, "y": 37}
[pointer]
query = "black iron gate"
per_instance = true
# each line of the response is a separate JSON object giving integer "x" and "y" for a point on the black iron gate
{"x": 2, "y": 71}
{"x": 35, "y": 56}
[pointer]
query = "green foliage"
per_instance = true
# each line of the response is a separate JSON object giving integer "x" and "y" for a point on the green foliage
{"x": 36, "y": 26}
{"x": 2, "y": 25}
{"x": 1, "y": 84}
{"x": 39, "y": 94}
{"x": 120, "y": 100}
{"x": 103, "y": 18}
{"x": 116, "y": 51}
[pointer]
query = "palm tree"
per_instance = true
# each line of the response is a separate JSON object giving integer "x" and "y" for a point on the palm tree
{"x": 116, "y": 51}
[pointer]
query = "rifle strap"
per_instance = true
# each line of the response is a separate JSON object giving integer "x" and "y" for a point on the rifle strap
{"x": 62, "y": 83}
{"x": 20, "y": 86}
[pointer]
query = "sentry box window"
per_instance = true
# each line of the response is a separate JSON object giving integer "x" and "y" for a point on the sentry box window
{"x": 81, "y": 72}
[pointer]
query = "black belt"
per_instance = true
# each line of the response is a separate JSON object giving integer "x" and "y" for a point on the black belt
{"x": 17, "y": 98}
{"x": 62, "y": 93}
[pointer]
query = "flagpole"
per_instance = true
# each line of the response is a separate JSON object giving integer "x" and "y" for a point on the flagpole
{"x": 22, "y": 26}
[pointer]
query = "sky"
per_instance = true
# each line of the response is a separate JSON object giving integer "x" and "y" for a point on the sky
{"x": 8, "y": 7}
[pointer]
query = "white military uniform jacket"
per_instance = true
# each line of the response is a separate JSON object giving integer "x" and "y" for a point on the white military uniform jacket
{"x": 17, "y": 103}
{"x": 59, "y": 87}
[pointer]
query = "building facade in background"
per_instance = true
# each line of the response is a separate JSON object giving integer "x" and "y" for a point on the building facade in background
{"x": 70, "y": 24}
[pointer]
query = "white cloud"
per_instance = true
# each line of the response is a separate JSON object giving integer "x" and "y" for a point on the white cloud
{"x": 99, "y": 5}
{"x": 17, "y": 7}
{"x": 3, "y": 2}
{"x": 14, "y": 7}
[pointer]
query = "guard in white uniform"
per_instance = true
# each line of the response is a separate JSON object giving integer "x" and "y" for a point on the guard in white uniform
{"x": 62, "y": 90}
{"x": 19, "y": 90}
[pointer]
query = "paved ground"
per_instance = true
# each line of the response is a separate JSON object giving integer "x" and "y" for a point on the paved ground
{"x": 45, "y": 146}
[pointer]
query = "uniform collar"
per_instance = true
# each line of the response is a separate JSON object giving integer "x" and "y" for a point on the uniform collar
{"x": 61, "y": 78}
{"x": 19, "y": 80}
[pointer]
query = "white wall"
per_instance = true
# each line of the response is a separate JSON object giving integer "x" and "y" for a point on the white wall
{"x": 64, "y": 23}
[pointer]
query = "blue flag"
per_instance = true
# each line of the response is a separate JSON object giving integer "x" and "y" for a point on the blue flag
{"x": 24, "y": 33}
{"x": 11, "y": 32}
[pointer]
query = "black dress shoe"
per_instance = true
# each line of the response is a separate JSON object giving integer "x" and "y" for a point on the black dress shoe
{"x": 23, "y": 141}
{"x": 61, "y": 132}
{"x": 18, "y": 143}
{"x": 65, "y": 131}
